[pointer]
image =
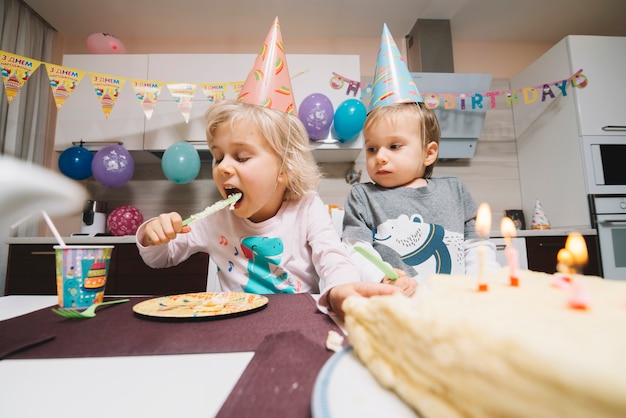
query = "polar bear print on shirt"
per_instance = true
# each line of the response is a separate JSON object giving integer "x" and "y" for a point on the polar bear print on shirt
{"x": 417, "y": 242}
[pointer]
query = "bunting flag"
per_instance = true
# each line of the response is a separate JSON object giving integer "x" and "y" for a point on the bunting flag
{"x": 147, "y": 92}
{"x": 236, "y": 86}
{"x": 214, "y": 91}
{"x": 183, "y": 95}
{"x": 63, "y": 82}
{"x": 108, "y": 89}
{"x": 15, "y": 72}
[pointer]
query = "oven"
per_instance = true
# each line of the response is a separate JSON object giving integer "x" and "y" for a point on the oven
{"x": 608, "y": 214}
{"x": 604, "y": 158}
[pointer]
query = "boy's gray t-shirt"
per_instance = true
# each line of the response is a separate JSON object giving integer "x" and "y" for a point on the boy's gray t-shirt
{"x": 419, "y": 230}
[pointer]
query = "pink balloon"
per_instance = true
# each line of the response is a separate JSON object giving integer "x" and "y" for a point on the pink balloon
{"x": 124, "y": 220}
{"x": 104, "y": 43}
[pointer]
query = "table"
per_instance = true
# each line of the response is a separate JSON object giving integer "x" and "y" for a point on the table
{"x": 116, "y": 364}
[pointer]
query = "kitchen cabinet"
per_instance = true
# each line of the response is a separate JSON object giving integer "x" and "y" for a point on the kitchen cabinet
{"x": 81, "y": 116}
{"x": 549, "y": 133}
{"x": 519, "y": 243}
{"x": 542, "y": 252}
{"x": 31, "y": 271}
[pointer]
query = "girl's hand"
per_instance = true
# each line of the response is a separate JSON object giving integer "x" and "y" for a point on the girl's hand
{"x": 163, "y": 229}
{"x": 341, "y": 292}
{"x": 407, "y": 285}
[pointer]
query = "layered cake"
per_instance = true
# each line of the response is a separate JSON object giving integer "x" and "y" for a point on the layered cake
{"x": 97, "y": 275}
{"x": 554, "y": 346}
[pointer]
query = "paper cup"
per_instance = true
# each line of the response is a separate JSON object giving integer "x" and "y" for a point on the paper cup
{"x": 81, "y": 272}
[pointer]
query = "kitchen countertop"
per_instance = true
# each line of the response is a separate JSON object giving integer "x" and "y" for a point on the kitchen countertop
{"x": 130, "y": 239}
{"x": 127, "y": 239}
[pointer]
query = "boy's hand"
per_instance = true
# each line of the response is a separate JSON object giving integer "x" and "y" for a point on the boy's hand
{"x": 164, "y": 229}
{"x": 407, "y": 285}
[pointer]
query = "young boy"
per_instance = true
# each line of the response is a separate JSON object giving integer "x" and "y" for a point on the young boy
{"x": 416, "y": 223}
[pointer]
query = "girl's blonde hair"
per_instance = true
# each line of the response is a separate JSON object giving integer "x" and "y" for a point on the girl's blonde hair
{"x": 284, "y": 133}
{"x": 419, "y": 113}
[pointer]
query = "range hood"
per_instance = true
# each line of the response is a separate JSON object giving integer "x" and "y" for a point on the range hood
{"x": 430, "y": 60}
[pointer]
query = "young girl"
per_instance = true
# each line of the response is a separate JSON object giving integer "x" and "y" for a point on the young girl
{"x": 279, "y": 237}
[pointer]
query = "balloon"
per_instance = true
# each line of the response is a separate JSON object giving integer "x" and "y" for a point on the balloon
{"x": 349, "y": 119}
{"x": 316, "y": 112}
{"x": 124, "y": 220}
{"x": 181, "y": 162}
{"x": 75, "y": 162}
{"x": 113, "y": 166}
{"x": 104, "y": 43}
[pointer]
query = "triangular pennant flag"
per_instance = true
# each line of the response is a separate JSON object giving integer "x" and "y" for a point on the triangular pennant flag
{"x": 63, "y": 81}
{"x": 393, "y": 83}
{"x": 15, "y": 71}
{"x": 147, "y": 92}
{"x": 183, "y": 95}
{"x": 268, "y": 83}
{"x": 108, "y": 89}
{"x": 214, "y": 91}
{"x": 236, "y": 86}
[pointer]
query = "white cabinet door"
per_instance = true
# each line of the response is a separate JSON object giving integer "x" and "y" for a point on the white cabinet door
{"x": 167, "y": 124}
{"x": 601, "y": 103}
{"x": 82, "y": 118}
{"x": 519, "y": 244}
{"x": 309, "y": 73}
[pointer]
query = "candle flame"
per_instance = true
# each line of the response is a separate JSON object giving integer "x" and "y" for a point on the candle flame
{"x": 576, "y": 246}
{"x": 507, "y": 227}
{"x": 483, "y": 221}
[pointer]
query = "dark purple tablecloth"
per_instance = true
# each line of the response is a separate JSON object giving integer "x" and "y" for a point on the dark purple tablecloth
{"x": 288, "y": 338}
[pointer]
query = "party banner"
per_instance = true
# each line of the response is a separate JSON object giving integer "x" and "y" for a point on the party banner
{"x": 214, "y": 91}
{"x": 15, "y": 71}
{"x": 108, "y": 89}
{"x": 478, "y": 100}
{"x": 63, "y": 82}
{"x": 183, "y": 95}
{"x": 147, "y": 92}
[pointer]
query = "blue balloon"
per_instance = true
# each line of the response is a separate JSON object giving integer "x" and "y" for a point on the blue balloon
{"x": 75, "y": 162}
{"x": 349, "y": 119}
{"x": 113, "y": 166}
{"x": 181, "y": 162}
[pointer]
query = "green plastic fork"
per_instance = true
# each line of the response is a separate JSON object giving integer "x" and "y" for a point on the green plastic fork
{"x": 90, "y": 312}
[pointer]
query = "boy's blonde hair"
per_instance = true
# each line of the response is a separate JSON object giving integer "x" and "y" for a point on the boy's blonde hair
{"x": 418, "y": 112}
{"x": 284, "y": 133}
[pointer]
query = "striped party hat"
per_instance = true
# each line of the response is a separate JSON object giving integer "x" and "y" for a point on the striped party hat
{"x": 392, "y": 83}
{"x": 268, "y": 83}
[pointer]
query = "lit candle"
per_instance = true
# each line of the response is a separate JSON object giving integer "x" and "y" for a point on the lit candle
{"x": 507, "y": 227}
{"x": 483, "y": 226}
{"x": 577, "y": 247}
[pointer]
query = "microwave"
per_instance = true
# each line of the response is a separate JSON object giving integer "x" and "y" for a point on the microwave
{"x": 604, "y": 158}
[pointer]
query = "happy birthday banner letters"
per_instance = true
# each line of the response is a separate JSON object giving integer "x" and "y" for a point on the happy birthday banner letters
{"x": 16, "y": 70}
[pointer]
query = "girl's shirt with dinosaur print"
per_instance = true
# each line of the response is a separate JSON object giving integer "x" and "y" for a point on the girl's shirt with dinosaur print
{"x": 296, "y": 251}
{"x": 419, "y": 230}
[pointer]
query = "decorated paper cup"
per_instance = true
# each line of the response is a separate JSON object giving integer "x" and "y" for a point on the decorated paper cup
{"x": 81, "y": 272}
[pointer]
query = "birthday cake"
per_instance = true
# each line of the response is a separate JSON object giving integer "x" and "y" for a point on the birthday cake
{"x": 554, "y": 346}
{"x": 97, "y": 276}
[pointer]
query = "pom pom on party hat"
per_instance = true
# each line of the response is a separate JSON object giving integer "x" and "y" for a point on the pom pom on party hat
{"x": 268, "y": 83}
{"x": 392, "y": 83}
{"x": 540, "y": 220}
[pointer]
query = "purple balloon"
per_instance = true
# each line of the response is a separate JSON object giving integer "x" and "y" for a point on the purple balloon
{"x": 316, "y": 113}
{"x": 113, "y": 166}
